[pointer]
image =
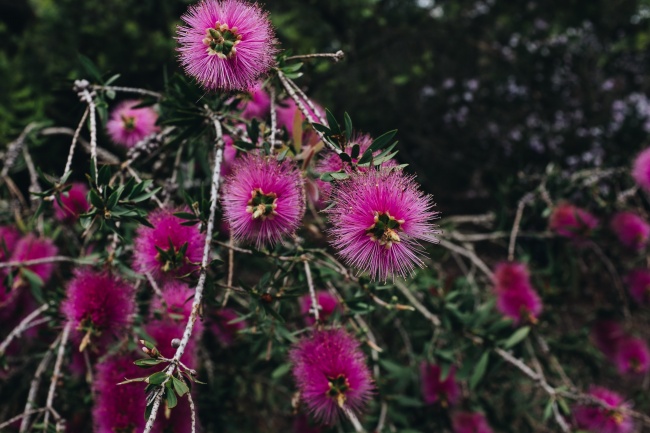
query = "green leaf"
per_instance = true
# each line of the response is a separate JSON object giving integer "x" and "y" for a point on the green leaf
{"x": 321, "y": 128}
{"x": 331, "y": 121}
{"x": 147, "y": 362}
{"x": 137, "y": 379}
{"x": 548, "y": 410}
{"x": 337, "y": 175}
{"x": 348, "y": 126}
{"x": 157, "y": 378}
{"x": 281, "y": 371}
{"x": 90, "y": 68}
{"x": 517, "y": 337}
{"x": 479, "y": 370}
{"x": 170, "y": 397}
{"x": 180, "y": 387}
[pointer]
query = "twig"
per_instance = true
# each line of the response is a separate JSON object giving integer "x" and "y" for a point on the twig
{"x": 231, "y": 270}
{"x": 417, "y": 304}
{"x": 22, "y": 415}
{"x": 22, "y": 326}
{"x": 75, "y": 137}
{"x": 128, "y": 90}
{"x": 81, "y": 87}
{"x": 55, "y": 373}
{"x": 515, "y": 226}
{"x": 382, "y": 417}
{"x": 353, "y": 419}
{"x": 106, "y": 156}
{"x": 314, "y": 302}
{"x": 336, "y": 57}
{"x": 53, "y": 259}
{"x": 14, "y": 148}
{"x": 481, "y": 219}
{"x": 192, "y": 410}
{"x": 274, "y": 117}
{"x": 309, "y": 102}
{"x": 470, "y": 255}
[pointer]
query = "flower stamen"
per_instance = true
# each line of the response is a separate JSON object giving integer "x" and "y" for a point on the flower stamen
{"x": 339, "y": 385}
{"x": 385, "y": 229}
{"x": 222, "y": 41}
{"x": 262, "y": 205}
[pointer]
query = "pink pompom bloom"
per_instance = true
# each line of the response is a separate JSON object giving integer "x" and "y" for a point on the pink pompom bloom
{"x": 176, "y": 300}
{"x": 74, "y": 203}
{"x": 511, "y": 276}
{"x": 470, "y": 422}
{"x": 632, "y": 356}
{"x": 288, "y": 114}
{"x": 118, "y": 408}
{"x": 434, "y": 389}
{"x": 638, "y": 282}
{"x": 257, "y": 105}
{"x": 327, "y": 303}
{"x": 169, "y": 249}
{"x": 609, "y": 419}
{"x": 331, "y": 372}
{"x": 632, "y": 230}
{"x": 263, "y": 200}
{"x": 9, "y": 237}
{"x": 224, "y": 331}
{"x": 99, "y": 305}
{"x": 229, "y": 155}
{"x": 226, "y": 44}
{"x": 128, "y": 125}
{"x": 641, "y": 169}
{"x": 571, "y": 221}
{"x": 32, "y": 248}
{"x": 523, "y": 305}
{"x": 377, "y": 219}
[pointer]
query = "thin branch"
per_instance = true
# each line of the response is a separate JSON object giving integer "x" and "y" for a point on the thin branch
{"x": 314, "y": 302}
{"x": 353, "y": 419}
{"x": 515, "y": 226}
{"x": 81, "y": 86}
{"x": 274, "y": 117}
{"x": 56, "y": 373}
{"x": 417, "y": 304}
{"x": 22, "y": 415}
{"x": 14, "y": 148}
{"x": 22, "y": 326}
{"x": 75, "y": 137}
{"x": 336, "y": 57}
{"x": 470, "y": 255}
{"x": 129, "y": 90}
{"x": 192, "y": 411}
{"x": 53, "y": 259}
{"x": 309, "y": 102}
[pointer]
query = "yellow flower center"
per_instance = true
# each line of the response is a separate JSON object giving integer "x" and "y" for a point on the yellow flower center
{"x": 222, "y": 41}
{"x": 385, "y": 229}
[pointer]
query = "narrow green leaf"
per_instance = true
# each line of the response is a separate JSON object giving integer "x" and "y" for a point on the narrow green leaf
{"x": 517, "y": 337}
{"x": 157, "y": 378}
{"x": 331, "y": 121}
{"x": 479, "y": 370}
{"x": 348, "y": 126}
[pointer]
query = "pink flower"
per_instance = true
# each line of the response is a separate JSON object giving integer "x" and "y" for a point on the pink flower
{"x": 331, "y": 372}
{"x": 229, "y": 155}
{"x": 169, "y": 249}
{"x": 638, "y": 281}
{"x": 641, "y": 169}
{"x": 288, "y": 113}
{"x": 609, "y": 419}
{"x": 632, "y": 356}
{"x": 516, "y": 297}
{"x": 32, "y": 248}
{"x": 377, "y": 219}
{"x": 74, "y": 203}
{"x": 571, "y": 221}
{"x": 9, "y": 237}
{"x": 257, "y": 105}
{"x": 632, "y": 230}
{"x": 99, "y": 305}
{"x": 606, "y": 335}
{"x": 128, "y": 125}
{"x": 226, "y": 44}
{"x": 118, "y": 407}
{"x": 434, "y": 389}
{"x": 223, "y": 330}
{"x": 327, "y": 302}
{"x": 263, "y": 200}
{"x": 470, "y": 422}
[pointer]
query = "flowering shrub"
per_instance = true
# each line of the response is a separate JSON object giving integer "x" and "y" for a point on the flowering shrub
{"x": 230, "y": 256}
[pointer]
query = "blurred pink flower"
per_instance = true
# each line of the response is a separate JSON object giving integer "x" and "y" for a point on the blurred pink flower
{"x": 641, "y": 169}
{"x": 516, "y": 297}
{"x": 609, "y": 419}
{"x": 263, "y": 200}
{"x": 511, "y": 276}
{"x": 9, "y": 237}
{"x": 99, "y": 305}
{"x": 257, "y": 105}
{"x": 377, "y": 219}
{"x": 288, "y": 112}
{"x": 169, "y": 249}
{"x": 470, "y": 422}
{"x": 572, "y": 222}
{"x": 331, "y": 372}
{"x": 632, "y": 356}
{"x": 176, "y": 300}
{"x": 327, "y": 302}
{"x": 638, "y": 282}
{"x": 632, "y": 230}
{"x": 227, "y": 44}
{"x": 435, "y": 390}
{"x": 74, "y": 203}
{"x": 229, "y": 155}
{"x": 32, "y": 248}
{"x": 128, "y": 125}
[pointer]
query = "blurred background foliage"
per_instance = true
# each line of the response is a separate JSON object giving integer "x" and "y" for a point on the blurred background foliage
{"x": 481, "y": 91}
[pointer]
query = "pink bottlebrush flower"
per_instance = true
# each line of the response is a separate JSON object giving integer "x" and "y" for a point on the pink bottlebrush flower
{"x": 470, "y": 422}
{"x": 169, "y": 249}
{"x": 32, "y": 248}
{"x": 609, "y": 419}
{"x": 632, "y": 230}
{"x": 632, "y": 356}
{"x": 118, "y": 408}
{"x": 227, "y": 44}
{"x": 377, "y": 219}
{"x": 224, "y": 331}
{"x": 74, "y": 203}
{"x": 327, "y": 302}
{"x": 288, "y": 113}
{"x": 331, "y": 372}
{"x": 641, "y": 169}
{"x": 99, "y": 305}
{"x": 9, "y": 237}
{"x": 571, "y": 221}
{"x": 434, "y": 390}
{"x": 638, "y": 282}
{"x": 229, "y": 155}
{"x": 263, "y": 200}
{"x": 511, "y": 276}
{"x": 257, "y": 105}
{"x": 176, "y": 300}
{"x": 606, "y": 335}
{"x": 522, "y": 305}
{"x": 128, "y": 125}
